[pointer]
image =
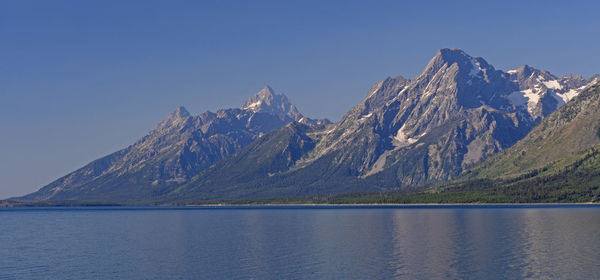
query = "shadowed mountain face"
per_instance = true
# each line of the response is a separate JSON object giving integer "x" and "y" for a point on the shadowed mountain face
{"x": 178, "y": 148}
{"x": 405, "y": 132}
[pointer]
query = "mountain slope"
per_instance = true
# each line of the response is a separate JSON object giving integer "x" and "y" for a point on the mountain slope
{"x": 177, "y": 149}
{"x": 264, "y": 158}
{"x": 565, "y": 133}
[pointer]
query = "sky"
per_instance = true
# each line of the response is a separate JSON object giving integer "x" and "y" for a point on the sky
{"x": 82, "y": 79}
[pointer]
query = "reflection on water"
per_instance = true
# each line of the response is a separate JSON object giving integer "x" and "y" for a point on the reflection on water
{"x": 447, "y": 243}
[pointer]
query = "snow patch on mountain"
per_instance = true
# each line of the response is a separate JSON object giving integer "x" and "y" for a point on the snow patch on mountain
{"x": 552, "y": 84}
{"x": 476, "y": 69}
{"x": 364, "y": 117}
{"x": 566, "y": 96}
{"x": 570, "y": 94}
{"x": 401, "y": 139}
{"x": 252, "y": 106}
{"x": 524, "y": 99}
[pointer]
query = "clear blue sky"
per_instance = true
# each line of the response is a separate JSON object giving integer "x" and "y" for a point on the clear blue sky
{"x": 81, "y": 79}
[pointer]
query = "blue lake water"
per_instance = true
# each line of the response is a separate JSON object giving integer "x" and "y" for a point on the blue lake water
{"x": 301, "y": 243}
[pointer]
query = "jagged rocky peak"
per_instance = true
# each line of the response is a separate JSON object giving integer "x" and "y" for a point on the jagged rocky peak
{"x": 528, "y": 77}
{"x": 449, "y": 56}
{"x": 452, "y": 55}
{"x": 471, "y": 81}
{"x": 576, "y": 81}
{"x": 524, "y": 71}
{"x": 449, "y": 69}
{"x": 178, "y": 116}
{"x": 181, "y": 112}
{"x": 314, "y": 122}
{"x": 381, "y": 93}
{"x": 540, "y": 92}
{"x": 573, "y": 80}
{"x": 267, "y": 101}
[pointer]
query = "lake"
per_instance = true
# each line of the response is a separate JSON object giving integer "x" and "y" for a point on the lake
{"x": 449, "y": 242}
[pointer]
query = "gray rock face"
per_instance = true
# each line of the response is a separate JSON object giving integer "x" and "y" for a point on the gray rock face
{"x": 177, "y": 149}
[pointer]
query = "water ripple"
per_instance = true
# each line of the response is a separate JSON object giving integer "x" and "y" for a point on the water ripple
{"x": 412, "y": 243}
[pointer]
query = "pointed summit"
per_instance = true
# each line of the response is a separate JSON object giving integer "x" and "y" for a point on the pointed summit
{"x": 176, "y": 117}
{"x": 267, "y": 101}
{"x": 452, "y": 54}
{"x": 469, "y": 66}
{"x": 522, "y": 71}
{"x": 181, "y": 112}
{"x": 528, "y": 72}
{"x": 266, "y": 92}
{"x": 264, "y": 97}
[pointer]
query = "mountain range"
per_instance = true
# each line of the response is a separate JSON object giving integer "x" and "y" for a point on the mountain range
{"x": 432, "y": 128}
{"x": 178, "y": 148}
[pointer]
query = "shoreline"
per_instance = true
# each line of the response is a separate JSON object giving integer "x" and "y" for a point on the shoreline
{"x": 391, "y": 204}
{"x": 34, "y": 205}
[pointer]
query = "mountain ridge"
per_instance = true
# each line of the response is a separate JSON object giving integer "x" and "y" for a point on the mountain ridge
{"x": 455, "y": 114}
{"x": 405, "y": 132}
